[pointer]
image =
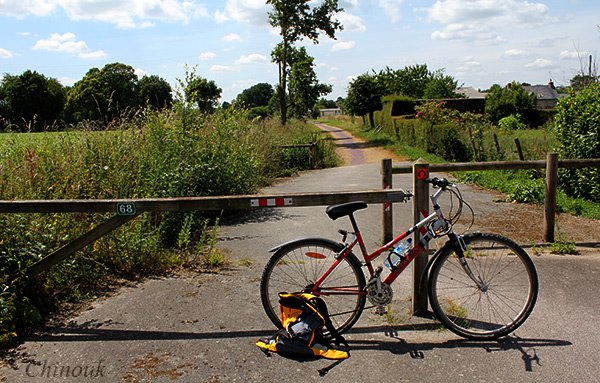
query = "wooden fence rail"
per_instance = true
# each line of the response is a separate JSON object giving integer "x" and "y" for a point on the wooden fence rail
{"x": 551, "y": 164}
{"x": 127, "y": 210}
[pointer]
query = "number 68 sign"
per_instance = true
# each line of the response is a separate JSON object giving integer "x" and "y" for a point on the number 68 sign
{"x": 126, "y": 208}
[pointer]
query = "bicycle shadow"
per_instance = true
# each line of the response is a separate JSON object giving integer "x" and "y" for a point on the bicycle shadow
{"x": 528, "y": 347}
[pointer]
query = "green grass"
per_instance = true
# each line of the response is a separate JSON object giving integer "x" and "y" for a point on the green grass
{"x": 563, "y": 245}
{"x": 174, "y": 153}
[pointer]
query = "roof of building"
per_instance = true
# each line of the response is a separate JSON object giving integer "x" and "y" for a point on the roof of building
{"x": 470, "y": 92}
{"x": 543, "y": 92}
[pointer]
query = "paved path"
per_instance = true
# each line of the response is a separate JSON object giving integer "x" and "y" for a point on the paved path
{"x": 202, "y": 327}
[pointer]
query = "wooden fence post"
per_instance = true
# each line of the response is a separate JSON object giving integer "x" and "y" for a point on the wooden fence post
{"x": 550, "y": 196}
{"x": 420, "y": 208}
{"x": 388, "y": 218}
{"x": 519, "y": 149}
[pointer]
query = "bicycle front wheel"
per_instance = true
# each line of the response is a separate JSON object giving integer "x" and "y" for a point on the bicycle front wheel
{"x": 488, "y": 295}
{"x": 296, "y": 266}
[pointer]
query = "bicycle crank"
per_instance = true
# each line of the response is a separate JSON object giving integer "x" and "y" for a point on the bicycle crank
{"x": 379, "y": 293}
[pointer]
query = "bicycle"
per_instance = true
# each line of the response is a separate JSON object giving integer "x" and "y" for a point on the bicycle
{"x": 480, "y": 286}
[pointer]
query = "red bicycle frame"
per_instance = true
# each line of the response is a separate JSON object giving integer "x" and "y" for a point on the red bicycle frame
{"x": 417, "y": 249}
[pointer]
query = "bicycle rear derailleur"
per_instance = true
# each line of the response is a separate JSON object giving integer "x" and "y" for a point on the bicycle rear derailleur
{"x": 380, "y": 294}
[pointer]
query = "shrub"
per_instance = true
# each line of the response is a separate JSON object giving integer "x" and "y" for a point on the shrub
{"x": 578, "y": 131}
{"x": 510, "y": 123}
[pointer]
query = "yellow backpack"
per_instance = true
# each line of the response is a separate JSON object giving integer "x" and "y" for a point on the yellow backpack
{"x": 303, "y": 317}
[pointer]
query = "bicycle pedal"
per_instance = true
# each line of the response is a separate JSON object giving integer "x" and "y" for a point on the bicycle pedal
{"x": 380, "y": 310}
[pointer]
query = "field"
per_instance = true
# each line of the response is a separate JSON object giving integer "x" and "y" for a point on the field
{"x": 175, "y": 153}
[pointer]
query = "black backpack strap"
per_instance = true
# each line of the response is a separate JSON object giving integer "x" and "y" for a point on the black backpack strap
{"x": 322, "y": 307}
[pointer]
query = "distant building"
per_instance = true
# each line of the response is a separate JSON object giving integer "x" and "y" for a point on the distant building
{"x": 470, "y": 92}
{"x": 547, "y": 96}
{"x": 329, "y": 112}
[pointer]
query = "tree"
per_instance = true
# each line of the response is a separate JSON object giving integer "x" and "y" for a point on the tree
{"x": 256, "y": 95}
{"x": 295, "y": 20}
{"x": 440, "y": 86}
{"x": 505, "y": 101}
{"x": 304, "y": 86}
{"x": 204, "y": 93}
{"x": 31, "y": 101}
{"x": 104, "y": 94}
{"x": 155, "y": 92}
{"x": 324, "y": 103}
{"x": 364, "y": 96}
{"x": 410, "y": 81}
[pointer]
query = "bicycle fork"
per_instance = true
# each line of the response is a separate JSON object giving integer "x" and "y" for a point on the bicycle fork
{"x": 460, "y": 248}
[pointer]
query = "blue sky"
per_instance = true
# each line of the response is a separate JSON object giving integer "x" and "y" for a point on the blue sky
{"x": 478, "y": 42}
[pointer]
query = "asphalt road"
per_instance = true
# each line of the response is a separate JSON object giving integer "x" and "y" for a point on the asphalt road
{"x": 202, "y": 327}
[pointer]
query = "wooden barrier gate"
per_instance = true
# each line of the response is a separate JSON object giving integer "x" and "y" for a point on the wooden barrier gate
{"x": 126, "y": 210}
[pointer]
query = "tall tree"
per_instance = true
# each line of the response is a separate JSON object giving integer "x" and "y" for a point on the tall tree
{"x": 502, "y": 102}
{"x": 295, "y": 20}
{"x": 440, "y": 86}
{"x": 103, "y": 94}
{"x": 364, "y": 97}
{"x": 304, "y": 87}
{"x": 410, "y": 81}
{"x": 155, "y": 91}
{"x": 256, "y": 95}
{"x": 204, "y": 93}
{"x": 31, "y": 101}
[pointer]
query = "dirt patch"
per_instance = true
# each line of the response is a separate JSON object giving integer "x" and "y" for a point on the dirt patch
{"x": 525, "y": 224}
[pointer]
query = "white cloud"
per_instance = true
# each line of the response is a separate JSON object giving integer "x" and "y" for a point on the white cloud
{"x": 122, "y": 13}
{"x": 348, "y": 4}
{"x": 67, "y": 81}
{"x": 391, "y": 8}
{"x": 246, "y": 11}
{"x": 254, "y": 58}
{"x": 61, "y": 43}
{"x": 232, "y": 37}
{"x": 206, "y": 56}
{"x": 572, "y": 54}
{"x": 139, "y": 72}
{"x": 23, "y": 8}
{"x": 516, "y": 53}
{"x": 467, "y": 33}
{"x": 221, "y": 69}
{"x": 68, "y": 43}
{"x": 5, "y": 54}
{"x": 481, "y": 20}
{"x": 351, "y": 23}
{"x": 96, "y": 55}
{"x": 343, "y": 46}
{"x": 540, "y": 63}
{"x": 469, "y": 64}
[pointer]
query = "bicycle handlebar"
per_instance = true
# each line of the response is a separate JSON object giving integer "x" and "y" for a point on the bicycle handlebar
{"x": 439, "y": 182}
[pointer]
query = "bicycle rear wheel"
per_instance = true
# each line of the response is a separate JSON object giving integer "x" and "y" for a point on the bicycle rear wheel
{"x": 498, "y": 296}
{"x": 297, "y": 265}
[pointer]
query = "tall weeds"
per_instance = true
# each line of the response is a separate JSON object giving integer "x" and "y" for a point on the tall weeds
{"x": 174, "y": 153}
